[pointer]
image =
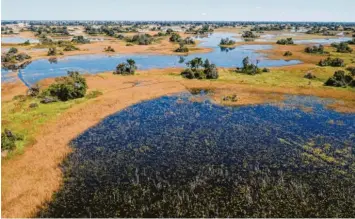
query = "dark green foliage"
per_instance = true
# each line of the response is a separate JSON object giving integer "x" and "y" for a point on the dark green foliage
{"x": 13, "y": 56}
{"x": 169, "y": 31}
{"x": 266, "y": 70}
{"x": 200, "y": 70}
{"x": 226, "y": 41}
{"x": 342, "y": 47}
{"x": 288, "y": 53}
{"x": 80, "y": 40}
{"x": 53, "y": 52}
{"x": 12, "y": 50}
{"x": 352, "y": 70}
{"x": 8, "y": 140}
{"x": 249, "y": 34}
{"x": 141, "y": 39}
{"x": 315, "y": 49}
{"x": 33, "y": 91}
{"x": 250, "y": 68}
{"x": 288, "y": 41}
{"x": 182, "y": 48}
{"x": 336, "y": 62}
{"x": 26, "y": 43}
{"x": 340, "y": 79}
{"x": 68, "y": 87}
{"x": 175, "y": 38}
{"x": 188, "y": 40}
{"x": 126, "y": 68}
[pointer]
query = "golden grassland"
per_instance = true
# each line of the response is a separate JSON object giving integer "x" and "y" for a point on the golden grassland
{"x": 31, "y": 173}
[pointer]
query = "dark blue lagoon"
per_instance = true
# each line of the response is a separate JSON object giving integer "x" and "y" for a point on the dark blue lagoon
{"x": 40, "y": 69}
{"x": 172, "y": 157}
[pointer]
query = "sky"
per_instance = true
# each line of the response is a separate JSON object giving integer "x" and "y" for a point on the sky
{"x": 197, "y": 10}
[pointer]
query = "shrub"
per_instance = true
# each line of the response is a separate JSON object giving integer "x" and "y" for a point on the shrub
{"x": 12, "y": 50}
{"x": 336, "y": 62}
{"x": 352, "y": 70}
{"x": 26, "y": 43}
{"x": 141, "y": 39}
{"x": 80, "y": 40}
{"x": 266, "y": 70}
{"x": 175, "y": 37}
{"x": 309, "y": 75}
{"x": 315, "y": 49}
{"x": 33, "y": 91}
{"x": 126, "y": 68}
{"x": 93, "y": 94}
{"x": 340, "y": 79}
{"x": 288, "y": 53}
{"x": 68, "y": 87}
{"x": 182, "y": 48}
{"x": 109, "y": 49}
{"x": 53, "y": 52}
{"x": 188, "y": 40}
{"x": 249, "y": 34}
{"x": 8, "y": 140}
{"x": 288, "y": 41}
{"x": 70, "y": 48}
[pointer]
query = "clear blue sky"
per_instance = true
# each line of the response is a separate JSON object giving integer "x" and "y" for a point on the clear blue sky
{"x": 256, "y": 10}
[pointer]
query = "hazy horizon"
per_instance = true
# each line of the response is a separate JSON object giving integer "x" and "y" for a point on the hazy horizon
{"x": 184, "y": 10}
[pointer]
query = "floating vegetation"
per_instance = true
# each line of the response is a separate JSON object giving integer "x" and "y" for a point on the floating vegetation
{"x": 171, "y": 157}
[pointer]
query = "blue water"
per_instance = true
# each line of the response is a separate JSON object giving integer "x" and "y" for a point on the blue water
{"x": 17, "y": 40}
{"x": 40, "y": 69}
{"x": 171, "y": 157}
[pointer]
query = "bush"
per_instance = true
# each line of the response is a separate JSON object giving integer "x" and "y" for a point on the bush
{"x": 93, "y": 94}
{"x": 352, "y": 70}
{"x": 188, "y": 40}
{"x": 249, "y": 68}
{"x": 26, "y": 43}
{"x": 182, "y": 48}
{"x": 33, "y": 91}
{"x": 175, "y": 37}
{"x": 70, "y": 48}
{"x": 80, "y": 40}
{"x": 126, "y": 68}
{"x": 309, "y": 75}
{"x": 288, "y": 53}
{"x": 68, "y": 87}
{"x": 53, "y": 52}
{"x": 336, "y": 62}
{"x": 109, "y": 49}
{"x": 8, "y": 140}
{"x": 315, "y": 49}
{"x": 141, "y": 39}
{"x": 340, "y": 79}
{"x": 249, "y": 34}
{"x": 288, "y": 41}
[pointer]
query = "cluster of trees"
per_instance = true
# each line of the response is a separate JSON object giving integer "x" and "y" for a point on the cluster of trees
{"x": 7, "y": 30}
{"x": 53, "y": 51}
{"x": 341, "y": 79}
{"x": 315, "y": 49}
{"x": 199, "y": 69}
{"x": 70, "y": 47}
{"x": 287, "y": 41}
{"x": 250, "y": 68}
{"x": 249, "y": 34}
{"x": 43, "y": 30}
{"x": 126, "y": 68}
{"x": 8, "y": 140}
{"x": 336, "y": 62}
{"x": 80, "y": 40}
{"x": 272, "y": 27}
{"x": 141, "y": 39}
{"x": 205, "y": 29}
{"x": 175, "y": 37}
{"x": 66, "y": 88}
{"x": 226, "y": 41}
{"x": 342, "y": 47}
{"x": 182, "y": 48}
{"x": 13, "y": 56}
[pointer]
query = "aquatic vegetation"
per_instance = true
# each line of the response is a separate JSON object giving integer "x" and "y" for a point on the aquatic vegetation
{"x": 287, "y": 41}
{"x": 68, "y": 87}
{"x": 340, "y": 79}
{"x": 200, "y": 70}
{"x": 171, "y": 157}
{"x": 126, "y": 68}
